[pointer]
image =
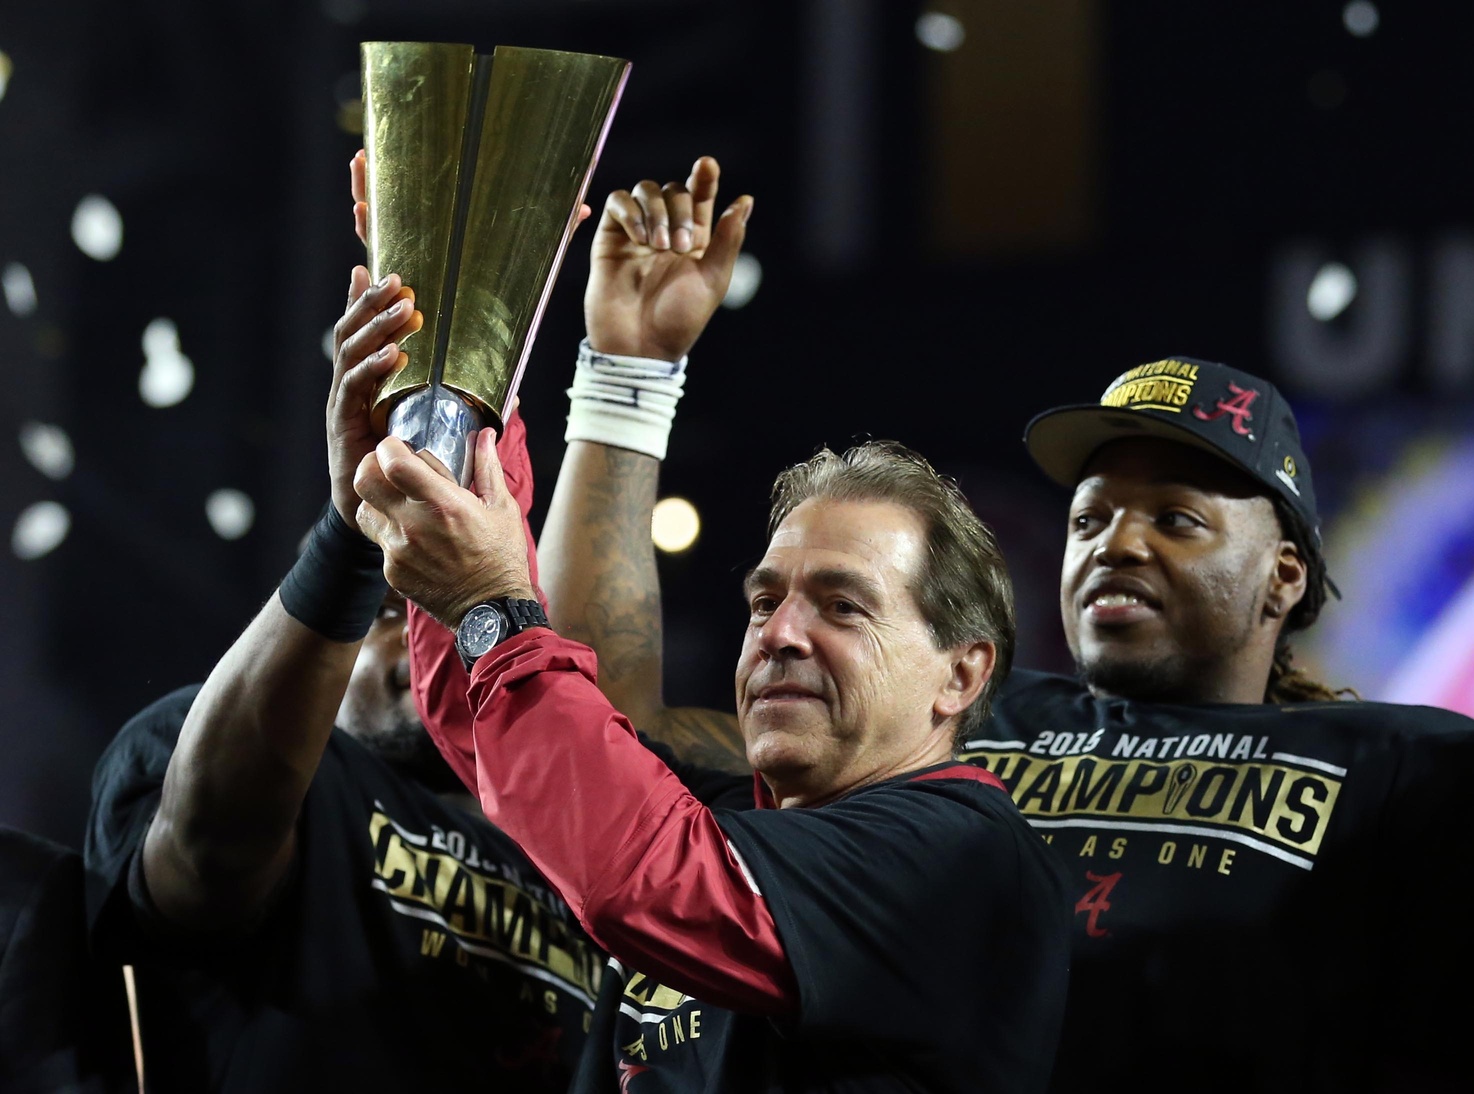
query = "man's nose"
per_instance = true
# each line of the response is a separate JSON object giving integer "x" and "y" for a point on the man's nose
{"x": 1124, "y": 541}
{"x": 785, "y": 633}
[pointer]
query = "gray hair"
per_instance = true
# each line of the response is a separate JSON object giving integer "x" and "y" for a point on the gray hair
{"x": 963, "y": 592}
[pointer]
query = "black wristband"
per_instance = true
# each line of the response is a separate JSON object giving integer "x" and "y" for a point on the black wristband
{"x": 337, "y": 586}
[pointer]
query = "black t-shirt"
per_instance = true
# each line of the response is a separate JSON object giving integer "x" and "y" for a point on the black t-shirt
{"x": 413, "y": 948}
{"x": 63, "y": 1016}
{"x": 916, "y": 969}
{"x": 1267, "y": 898}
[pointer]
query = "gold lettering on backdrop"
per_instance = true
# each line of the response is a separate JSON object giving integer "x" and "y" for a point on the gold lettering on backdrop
{"x": 481, "y": 911}
{"x": 1284, "y": 806}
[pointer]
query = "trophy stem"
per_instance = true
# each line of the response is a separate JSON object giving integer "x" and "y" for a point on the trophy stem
{"x": 435, "y": 419}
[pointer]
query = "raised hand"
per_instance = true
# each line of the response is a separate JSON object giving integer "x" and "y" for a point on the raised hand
{"x": 445, "y": 547}
{"x": 661, "y": 264}
{"x": 358, "y": 186}
{"x": 365, "y": 350}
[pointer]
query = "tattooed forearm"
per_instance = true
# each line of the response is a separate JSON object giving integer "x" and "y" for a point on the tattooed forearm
{"x": 598, "y": 569}
{"x": 599, "y": 573}
{"x": 708, "y": 738}
{"x": 622, "y": 637}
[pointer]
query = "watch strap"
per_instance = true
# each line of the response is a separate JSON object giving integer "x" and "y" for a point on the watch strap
{"x": 520, "y": 615}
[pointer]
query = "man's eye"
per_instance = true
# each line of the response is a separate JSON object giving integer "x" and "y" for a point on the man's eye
{"x": 844, "y": 607}
{"x": 1176, "y": 518}
{"x": 763, "y": 605}
{"x": 1084, "y": 522}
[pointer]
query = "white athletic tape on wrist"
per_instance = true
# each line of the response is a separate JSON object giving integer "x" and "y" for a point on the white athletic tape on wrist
{"x": 627, "y": 402}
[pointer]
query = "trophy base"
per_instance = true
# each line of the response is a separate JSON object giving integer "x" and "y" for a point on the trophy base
{"x": 438, "y": 421}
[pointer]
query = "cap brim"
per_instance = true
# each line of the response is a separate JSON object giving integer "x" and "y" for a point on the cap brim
{"x": 1061, "y": 441}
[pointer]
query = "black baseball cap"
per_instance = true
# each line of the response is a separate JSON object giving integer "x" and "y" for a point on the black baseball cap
{"x": 1239, "y": 417}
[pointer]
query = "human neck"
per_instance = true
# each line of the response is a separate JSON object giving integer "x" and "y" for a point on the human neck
{"x": 1244, "y": 680}
{"x": 804, "y": 788}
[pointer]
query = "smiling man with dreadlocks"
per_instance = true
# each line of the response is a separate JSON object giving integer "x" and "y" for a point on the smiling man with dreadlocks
{"x": 1263, "y": 872}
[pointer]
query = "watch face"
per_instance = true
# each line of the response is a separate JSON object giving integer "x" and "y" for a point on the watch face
{"x": 483, "y": 627}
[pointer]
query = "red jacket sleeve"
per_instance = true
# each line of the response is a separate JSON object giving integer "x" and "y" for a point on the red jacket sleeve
{"x": 643, "y": 864}
{"x": 438, "y": 680}
{"x": 640, "y": 860}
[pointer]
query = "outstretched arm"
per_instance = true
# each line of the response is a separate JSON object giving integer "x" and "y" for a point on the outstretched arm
{"x": 224, "y": 832}
{"x": 660, "y": 266}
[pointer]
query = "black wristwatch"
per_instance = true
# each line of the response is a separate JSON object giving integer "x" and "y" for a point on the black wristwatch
{"x": 491, "y": 621}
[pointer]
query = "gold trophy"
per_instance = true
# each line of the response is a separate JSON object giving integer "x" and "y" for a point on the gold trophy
{"x": 477, "y": 166}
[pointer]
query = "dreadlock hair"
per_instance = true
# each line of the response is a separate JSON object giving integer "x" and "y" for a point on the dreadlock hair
{"x": 1288, "y": 684}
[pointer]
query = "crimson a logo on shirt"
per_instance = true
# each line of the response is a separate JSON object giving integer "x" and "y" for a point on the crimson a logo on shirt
{"x": 1097, "y": 902}
{"x": 1237, "y": 407}
{"x": 628, "y": 1071}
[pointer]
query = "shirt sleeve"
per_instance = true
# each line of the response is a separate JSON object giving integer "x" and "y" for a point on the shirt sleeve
{"x": 438, "y": 679}
{"x": 127, "y": 784}
{"x": 63, "y": 1020}
{"x": 643, "y": 864}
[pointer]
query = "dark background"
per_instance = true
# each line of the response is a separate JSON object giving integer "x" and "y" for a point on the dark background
{"x": 950, "y": 242}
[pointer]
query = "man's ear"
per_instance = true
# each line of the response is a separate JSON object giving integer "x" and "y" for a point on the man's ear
{"x": 1287, "y": 581}
{"x": 972, "y": 668}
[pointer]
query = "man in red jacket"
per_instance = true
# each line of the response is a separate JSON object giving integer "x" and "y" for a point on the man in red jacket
{"x": 884, "y": 918}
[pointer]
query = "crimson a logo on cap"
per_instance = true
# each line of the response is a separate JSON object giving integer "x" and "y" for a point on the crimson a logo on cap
{"x": 1237, "y": 407}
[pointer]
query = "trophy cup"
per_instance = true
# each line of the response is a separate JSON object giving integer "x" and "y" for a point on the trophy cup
{"x": 477, "y": 166}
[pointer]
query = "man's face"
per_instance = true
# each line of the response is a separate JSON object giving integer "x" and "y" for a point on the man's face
{"x": 839, "y": 673}
{"x": 1168, "y": 565}
{"x": 378, "y": 708}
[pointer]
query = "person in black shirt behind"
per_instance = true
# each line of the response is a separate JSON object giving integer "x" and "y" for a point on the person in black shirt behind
{"x": 64, "y": 1025}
